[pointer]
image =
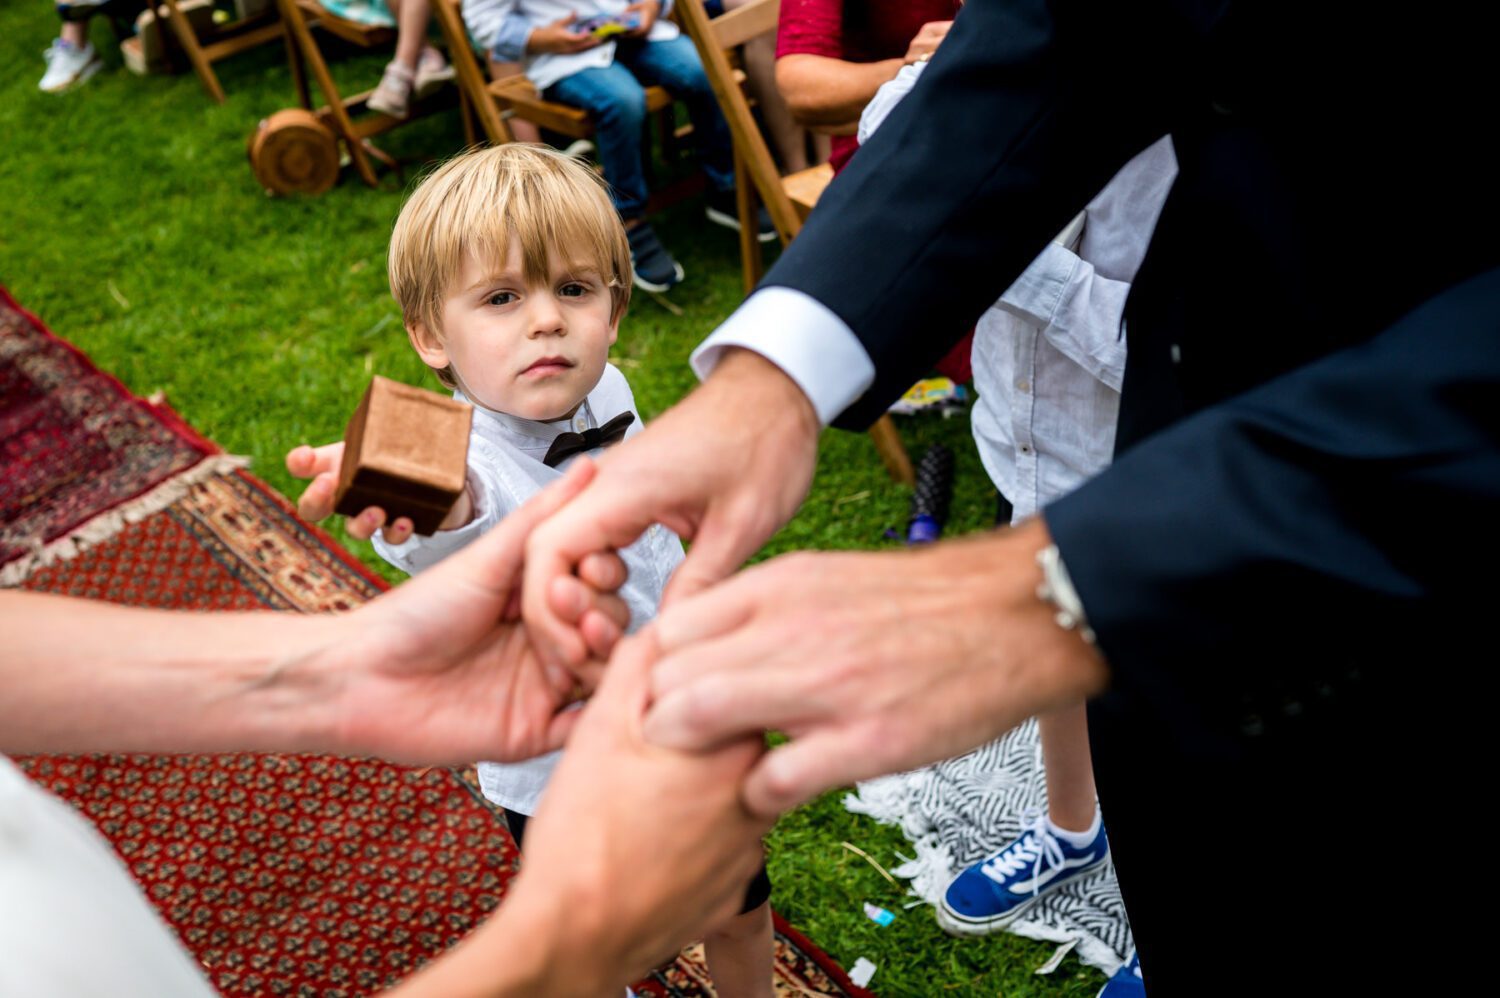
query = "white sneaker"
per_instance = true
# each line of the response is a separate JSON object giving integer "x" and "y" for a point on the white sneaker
{"x": 68, "y": 65}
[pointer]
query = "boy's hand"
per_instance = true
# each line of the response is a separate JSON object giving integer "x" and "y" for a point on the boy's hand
{"x": 648, "y": 11}
{"x": 321, "y": 464}
{"x": 559, "y": 39}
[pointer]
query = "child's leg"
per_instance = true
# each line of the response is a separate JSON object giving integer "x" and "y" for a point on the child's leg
{"x": 1070, "y": 770}
{"x": 75, "y": 33}
{"x": 411, "y": 30}
{"x": 674, "y": 64}
{"x": 739, "y": 954}
{"x": 617, "y": 104}
{"x": 523, "y": 130}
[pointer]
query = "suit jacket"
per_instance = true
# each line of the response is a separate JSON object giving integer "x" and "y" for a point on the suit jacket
{"x": 1281, "y": 565}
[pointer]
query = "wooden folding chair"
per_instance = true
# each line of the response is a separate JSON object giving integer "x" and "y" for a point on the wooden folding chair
{"x": 299, "y": 17}
{"x": 225, "y": 41}
{"x": 492, "y": 101}
{"x": 787, "y": 199}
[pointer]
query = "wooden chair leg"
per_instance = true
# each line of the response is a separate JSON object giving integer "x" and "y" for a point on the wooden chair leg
{"x": 467, "y": 114}
{"x": 751, "y": 261}
{"x": 189, "y": 41}
{"x": 299, "y": 68}
{"x": 892, "y": 451}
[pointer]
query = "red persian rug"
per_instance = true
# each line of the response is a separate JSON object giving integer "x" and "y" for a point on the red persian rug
{"x": 284, "y": 875}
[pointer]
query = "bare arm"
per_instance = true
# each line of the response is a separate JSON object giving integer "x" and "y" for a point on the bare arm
{"x": 828, "y": 94}
{"x": 437, "y": 670}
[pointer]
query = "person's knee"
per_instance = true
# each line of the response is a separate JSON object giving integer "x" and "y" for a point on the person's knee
{"x": 625, "y": 110}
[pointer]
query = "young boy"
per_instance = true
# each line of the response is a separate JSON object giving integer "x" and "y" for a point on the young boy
{"x": 605, "y": 76}
{"x": 513, "y": 271}
{"x": 1049, "y": 363}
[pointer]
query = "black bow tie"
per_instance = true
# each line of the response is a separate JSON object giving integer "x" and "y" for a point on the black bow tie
{"x": 568, "y": 444}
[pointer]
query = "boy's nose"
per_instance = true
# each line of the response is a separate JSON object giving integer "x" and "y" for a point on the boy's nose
{"x": 546, "y": 317}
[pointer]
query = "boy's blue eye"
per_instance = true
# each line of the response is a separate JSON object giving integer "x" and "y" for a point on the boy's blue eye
{"x": 573, "y": 290}
{"x": 500, "y": 298}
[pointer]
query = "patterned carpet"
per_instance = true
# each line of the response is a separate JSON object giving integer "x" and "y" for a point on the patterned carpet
{"x": 281, "y": 874}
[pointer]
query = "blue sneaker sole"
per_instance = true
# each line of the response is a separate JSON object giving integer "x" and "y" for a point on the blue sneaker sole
{"x": 956, "y": 924}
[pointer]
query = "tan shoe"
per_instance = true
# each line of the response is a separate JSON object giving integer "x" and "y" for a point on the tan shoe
{"x": 433, "y": 73}
{"x": 393, "y": 96}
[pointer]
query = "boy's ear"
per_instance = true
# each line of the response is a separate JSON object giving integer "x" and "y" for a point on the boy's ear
{"x": 428, "y": 344}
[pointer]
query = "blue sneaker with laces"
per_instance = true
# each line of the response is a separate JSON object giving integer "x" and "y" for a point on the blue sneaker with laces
{"x": 989, "y": 895}
{"x": 1127, "y": 982}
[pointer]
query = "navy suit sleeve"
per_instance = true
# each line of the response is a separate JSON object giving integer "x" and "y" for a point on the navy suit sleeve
{"x": 1026, "y": 111}
{"x": 1322, "y": 532}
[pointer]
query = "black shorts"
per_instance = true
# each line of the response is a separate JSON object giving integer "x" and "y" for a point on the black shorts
{"x": 757, "y": 894}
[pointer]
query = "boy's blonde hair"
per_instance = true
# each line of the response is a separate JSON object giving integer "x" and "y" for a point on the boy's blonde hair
{"x": 478, "y": 202}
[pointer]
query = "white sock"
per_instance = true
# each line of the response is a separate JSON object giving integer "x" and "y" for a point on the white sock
{"x": 1078, "y": 840}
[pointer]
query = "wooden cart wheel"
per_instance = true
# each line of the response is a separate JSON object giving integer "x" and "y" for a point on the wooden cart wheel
{"x": 292, "y": 152}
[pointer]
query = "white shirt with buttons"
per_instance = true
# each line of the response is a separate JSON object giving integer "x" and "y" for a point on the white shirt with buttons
{"x": 505, "y": 470}
{"x": 1049, "y": 356}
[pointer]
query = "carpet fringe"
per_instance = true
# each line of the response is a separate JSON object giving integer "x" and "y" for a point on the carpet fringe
{"x": 107, "y": 524}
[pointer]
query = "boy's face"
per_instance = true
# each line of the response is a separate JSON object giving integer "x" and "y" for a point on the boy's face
{"x": 529, "y": 351}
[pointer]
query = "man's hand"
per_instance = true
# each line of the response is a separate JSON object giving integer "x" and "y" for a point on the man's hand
{"x": 871, "y": 663}
{"x": 724, "y": 468}
{"x": 559, "y": 39}
{"x": 439, "y": 670}
{"x": 926, "y": 41}
{"x": 648, "y": 11}
{"x": 321, "y": 464}
{"x": 604, "y": 896}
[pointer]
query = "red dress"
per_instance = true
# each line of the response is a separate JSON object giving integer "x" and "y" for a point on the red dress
{"x": 854, "y": 31}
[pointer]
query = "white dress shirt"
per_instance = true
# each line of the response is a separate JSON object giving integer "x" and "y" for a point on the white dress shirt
{"x": 72, "y": 921}
{"x": 505, "y": 470}
{"x": 1048, "y": 357}
{"x": 502, "y": 27}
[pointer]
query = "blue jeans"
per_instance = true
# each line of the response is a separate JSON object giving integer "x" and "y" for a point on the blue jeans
{"x": 614, "y": 97}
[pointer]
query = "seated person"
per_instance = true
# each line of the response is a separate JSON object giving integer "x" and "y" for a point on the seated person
{"x": 607, "y": 76}
{"x": 418, "y": 69}
{"x": 831, "y": 57}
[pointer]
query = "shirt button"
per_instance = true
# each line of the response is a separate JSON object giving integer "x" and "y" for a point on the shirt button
{"x": 1176, "y": 354}
{"x": 1022, "y": 385}
{"x": 1025, "y": 449}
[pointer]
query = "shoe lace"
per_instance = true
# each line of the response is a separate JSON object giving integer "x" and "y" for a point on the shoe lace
{"x": 1036, "y": 845}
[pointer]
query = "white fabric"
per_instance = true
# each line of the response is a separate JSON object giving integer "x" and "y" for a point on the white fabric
{"x": 484, "y": 19}
{"x": 505, "y": 470}
{"x": 961, "y": 811}
{"x": 1049, "y": 356}
{"x": 800, "y": 335}
{"x": 72, "y": 921}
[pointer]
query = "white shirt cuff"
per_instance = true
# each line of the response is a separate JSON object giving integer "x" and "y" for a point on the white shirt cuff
{"x": 803, "y": 337}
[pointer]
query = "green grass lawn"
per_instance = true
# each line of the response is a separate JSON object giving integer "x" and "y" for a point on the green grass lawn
{"x": 132, "y": 224}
